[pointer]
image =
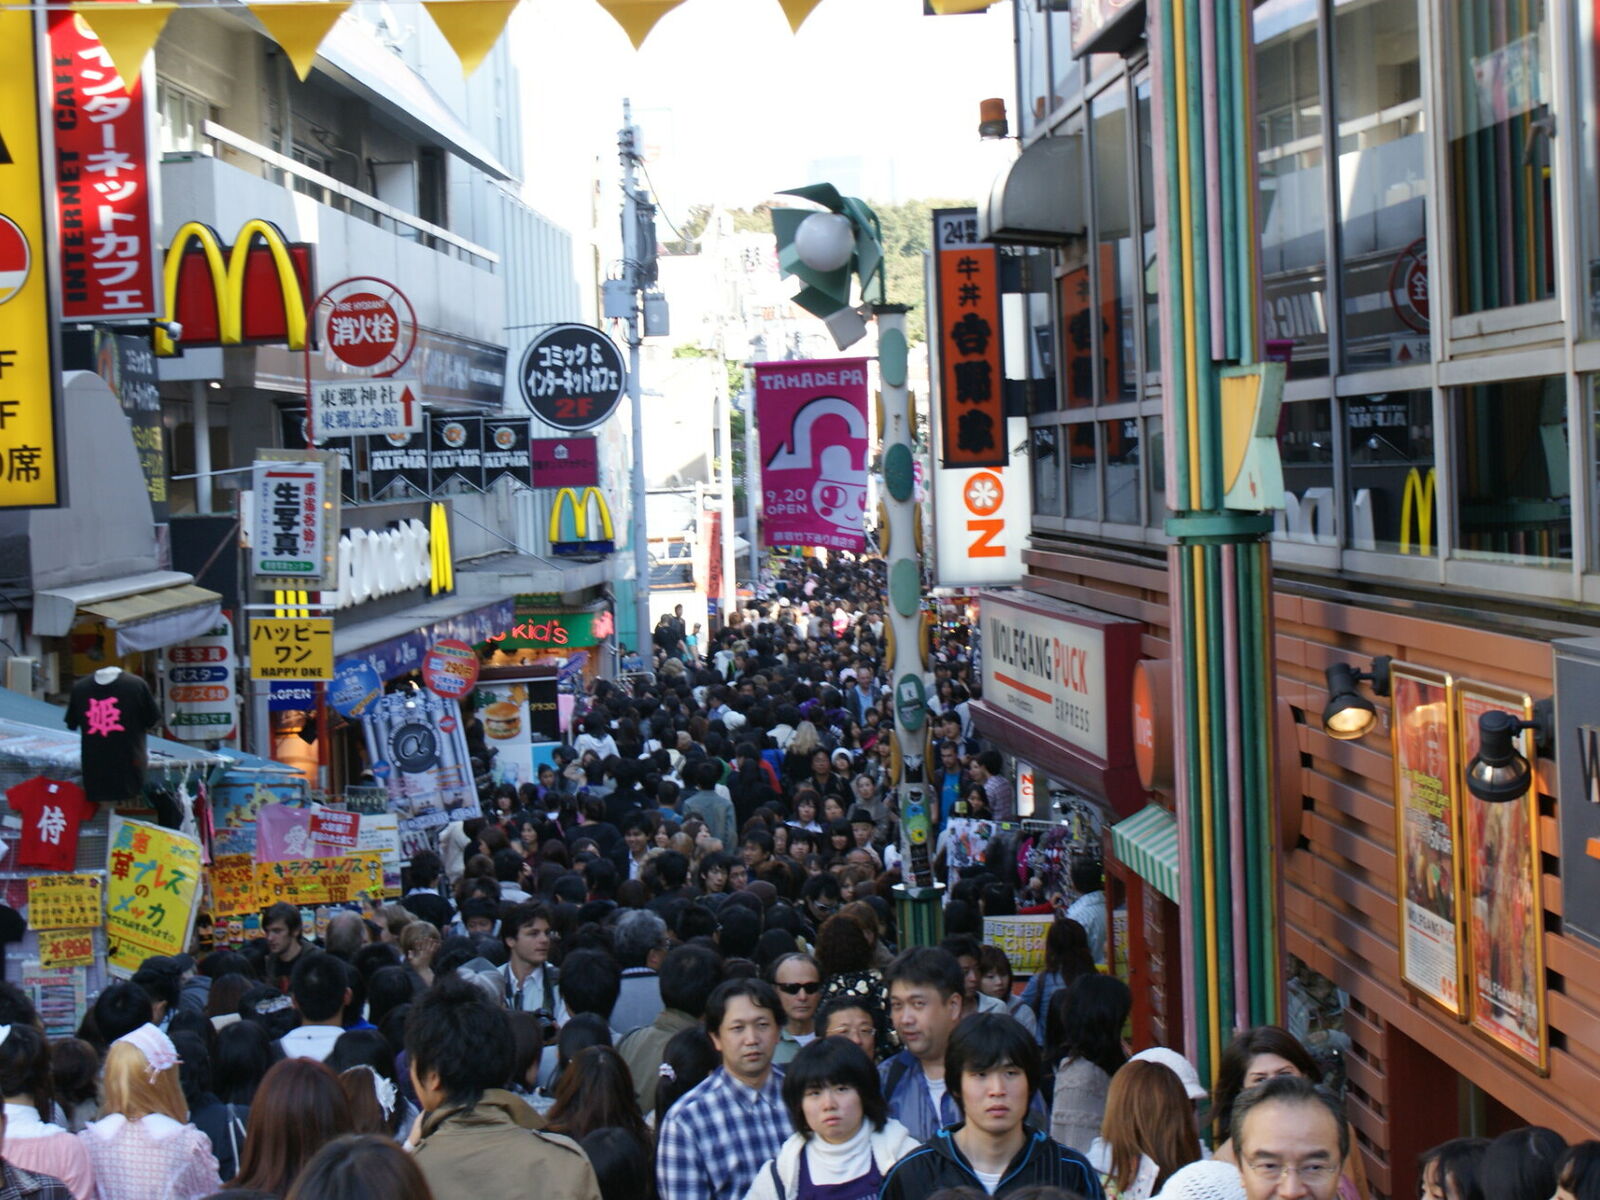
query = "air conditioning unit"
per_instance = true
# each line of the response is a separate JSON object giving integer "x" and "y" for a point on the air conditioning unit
{"x": 23, "y": 674}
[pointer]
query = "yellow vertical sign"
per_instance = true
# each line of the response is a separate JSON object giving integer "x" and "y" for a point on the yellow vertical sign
{"x": 29, "y": 475}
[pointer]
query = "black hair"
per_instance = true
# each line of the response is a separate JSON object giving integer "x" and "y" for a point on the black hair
{"x": 426, "y": 867}
{"x": 362, "y": 1048}
{"x": 373, "y": 957}
{"x": 520, "y": 917}
{"x": 570, "y": 888}
{"x": 194, "y": 1067}
{"x": 962, "y": 916}
{"x": 389, "y": 988}
{"x": 25, "y": 1067}
{"x": 119, "y": 1010}
{"x": 961, "y": 945}
{"x": 759, "y": 839}
{"x": 160, "y": 982}
{"x": 1085, "y": 1021}
{"x": 1235, "y": 1065}
{"x": 284, "y": 912}
{"x": 622, "y": 1164}
{"x": 984, "y": 1041}
{"x": 1458, "y": 1162}
{"x": 825, "y": 886}
{"x": 1577, "y": 1171}
{"x": 689, "y": 974}
{"x": 828, "y": 1062}
{"x": 318, "y": 985}
{"x": 691, "y": 1057}
{"x": 1521, "y": 1164}
{"x": 590, "y": 982}
{"x": 245, "y": 1051}
{"x": 672, "y": 869}
{"x": 926, "y": 966}
{"x": 577, "y": 1035}
{"x": 1086, "y": 874}
{"x": 758, "y": 991}
{"x": 16, "y": 1007}
{"x": 738, "y": 931}
{"x": 1299, "y": 1091}
{"x": 455, "y": 1031}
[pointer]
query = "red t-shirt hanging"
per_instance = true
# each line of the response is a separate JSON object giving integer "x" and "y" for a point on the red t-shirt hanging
{"x": 51, "y": 812}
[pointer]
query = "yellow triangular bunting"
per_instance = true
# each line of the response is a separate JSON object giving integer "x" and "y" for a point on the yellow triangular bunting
{"x": 472, "y": 27}
{"x": 797, "y": 11}
{"x": 299, "y": 28}
{"x": 947, "y": 8}
{"x": 127, "y": 31}
{"x": 638, "y": 17}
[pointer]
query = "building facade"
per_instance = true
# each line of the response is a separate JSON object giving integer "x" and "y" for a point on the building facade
{"x": 1425, "y": 241}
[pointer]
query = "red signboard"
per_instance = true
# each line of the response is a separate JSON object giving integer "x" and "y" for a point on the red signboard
{"x": 972, "y": 384}
{"x": 103, "y": 176}
{"x": 566, "y": 462}
{"x": 450, "y": 669}
{"x": 204, "y": 297}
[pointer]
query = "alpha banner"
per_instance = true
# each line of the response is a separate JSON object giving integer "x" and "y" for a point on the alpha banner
{"x": 812, "y": 420}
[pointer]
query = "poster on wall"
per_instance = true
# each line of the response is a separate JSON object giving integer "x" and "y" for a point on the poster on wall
{"x": 152, "y": 893}
{"x": 812, "y": 421}
{"x": 1503, "y": 896}
{"x": 1426, "y": 808}
{"x": 418, "y": 751}
{"x": 503, "y": 709}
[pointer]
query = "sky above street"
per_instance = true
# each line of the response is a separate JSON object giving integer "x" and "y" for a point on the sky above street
{"x": 870, "y": 94}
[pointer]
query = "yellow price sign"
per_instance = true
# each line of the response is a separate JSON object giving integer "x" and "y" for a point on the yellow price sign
{"x": 297, "y": 648}
{"x": 65, "y": 901}
{"x": 66, "y": 948}
{"x": 29, "y": 470}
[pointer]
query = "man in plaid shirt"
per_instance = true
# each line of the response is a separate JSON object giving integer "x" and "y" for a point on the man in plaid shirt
{"x": 715, "y": 1139}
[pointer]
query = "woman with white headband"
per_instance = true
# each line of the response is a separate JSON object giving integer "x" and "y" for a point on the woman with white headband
{"x": 145, "y": 1148}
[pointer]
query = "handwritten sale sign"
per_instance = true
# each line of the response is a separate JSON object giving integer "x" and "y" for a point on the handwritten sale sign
{"x": 66, "y": 948}
{"x": 320, "y": 880}
{"x": 233, "y": 885}
{"x": 152, "y": 893}
{"x": 1022, "y": 938}
{"x": 64, "y": 901}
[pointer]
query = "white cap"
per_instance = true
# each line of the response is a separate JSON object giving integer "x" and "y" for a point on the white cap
{"x": 1178, "y": 1065}
{"x": 1208, "y": 1180}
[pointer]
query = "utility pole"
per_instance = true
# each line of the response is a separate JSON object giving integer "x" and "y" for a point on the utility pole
{"x": 632, "y": 260}
{"x": 730, "y": 586}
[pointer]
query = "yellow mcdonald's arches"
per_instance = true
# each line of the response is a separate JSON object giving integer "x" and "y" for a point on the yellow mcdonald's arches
{"x": 227, "y": 281}
{"x": 1421, "y": 495}
{"x": 578, "y": 502}
{"x": 442, "y": 572}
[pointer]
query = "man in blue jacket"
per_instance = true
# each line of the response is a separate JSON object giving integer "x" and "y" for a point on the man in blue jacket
{"x": 992, "y": 1071}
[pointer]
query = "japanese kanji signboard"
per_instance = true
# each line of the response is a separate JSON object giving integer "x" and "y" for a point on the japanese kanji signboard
{"x": 66, "y": 948}
{"x": 197, "y": 679}
{"x": 343, "y": 407}
{"x": 233, "y": 885}
{"x": 971, "y": 364}
{"x": 64, "y": 901}
{"x": 152, "y": 885}
{"x": 29, "y": 470}
{"x": 102, "y": 180}
{"x": 572, "y": 377}
{"x": 320, "y": 880}
{"x": 290, "y": 526}
{"x": 293, "y": 648}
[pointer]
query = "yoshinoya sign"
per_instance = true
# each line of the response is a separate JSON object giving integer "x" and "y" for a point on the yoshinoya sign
{"x": 1063, "y": 669}
{"x": 572, "y": 377}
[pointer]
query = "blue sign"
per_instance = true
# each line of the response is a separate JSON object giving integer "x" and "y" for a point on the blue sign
{"x": 198, "y": 674}
{"x": 403, "y": 655}
{"x": 292, "y": 697}
{"x": 355, "y": 685}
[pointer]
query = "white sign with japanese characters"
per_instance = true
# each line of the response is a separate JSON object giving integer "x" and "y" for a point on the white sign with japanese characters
{"x": 291, "y": 521}
{"x": 348, "y": 406}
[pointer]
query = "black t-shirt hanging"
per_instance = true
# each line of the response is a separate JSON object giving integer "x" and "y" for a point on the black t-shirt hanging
{"x": 113, "y": 719}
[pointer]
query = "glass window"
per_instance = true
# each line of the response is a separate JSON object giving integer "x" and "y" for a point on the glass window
{"x": 1499, "y": 126}
{"x": 1033, "y": 66}
{"x": 1068, "y": 71}
{"x": 1382, "y": 147}
{"x": 1513, "y": 494}
{"x": 180, "y": 119}
{"x": 1121, "y": 442}
{"x": 1118, "y": 271}
{"x": 1391, "y": 478}
{"x": 1292, "y": 203}
{"x": 1156, "y": 473}
{"x": 1083, "y": 484}
{"x": 1151, "y": 273}
{"x": 1077, "y": 339}
{"x": 1046, "y": 466}
{"x": 1305, "y": 443}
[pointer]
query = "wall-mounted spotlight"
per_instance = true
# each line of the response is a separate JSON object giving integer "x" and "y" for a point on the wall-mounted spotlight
{"x": 1350, "y": 715}
{"x": 1498, "y": 772}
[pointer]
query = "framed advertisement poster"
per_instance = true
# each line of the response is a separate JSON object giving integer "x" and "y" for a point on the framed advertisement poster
{"x": 1504, "y": 902}
{"x": 1427, "y": 837}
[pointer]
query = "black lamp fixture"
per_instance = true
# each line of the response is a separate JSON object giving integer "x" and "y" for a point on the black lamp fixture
{"x": 1499, "y": 773}
{"x": 1350, "y": 715}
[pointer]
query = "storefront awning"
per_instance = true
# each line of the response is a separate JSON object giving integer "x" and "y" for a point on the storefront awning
{"x": 147, "y": 611}
{"x": 395, "y": 644}
{"x": 499, "y": 574}
{"x": 1038, "y": 199}
{"x": 1147, "y": 844}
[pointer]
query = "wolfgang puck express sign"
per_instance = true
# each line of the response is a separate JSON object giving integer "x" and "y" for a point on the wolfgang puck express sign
{"x": 1063, "y": 669}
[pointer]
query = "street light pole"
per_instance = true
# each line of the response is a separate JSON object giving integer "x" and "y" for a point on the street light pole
{"x": 632, "y": 256}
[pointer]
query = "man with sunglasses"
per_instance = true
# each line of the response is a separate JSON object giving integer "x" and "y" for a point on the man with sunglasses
{"x": 798, "y": 979}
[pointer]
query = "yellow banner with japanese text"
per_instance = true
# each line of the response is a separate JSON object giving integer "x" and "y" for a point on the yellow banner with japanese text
{"x": 321, "y": 880}
{"x": 152, "y": 892}
{"x": 298, "y": 648}
{"x": 233, "y": 885}
{"x": 64, "y": 902}
{"x": 1022, "y": 938}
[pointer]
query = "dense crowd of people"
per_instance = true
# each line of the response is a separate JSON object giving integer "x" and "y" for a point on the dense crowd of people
{"x": 669, "y": 970}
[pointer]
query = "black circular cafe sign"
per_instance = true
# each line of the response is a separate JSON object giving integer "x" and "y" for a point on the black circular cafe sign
{"x": 572, "y": 377}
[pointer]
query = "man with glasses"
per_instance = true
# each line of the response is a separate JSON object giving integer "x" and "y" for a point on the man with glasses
{"x": 821, "y": 896}
{"x": 798, "y": 979}
{"x": 1290, "y": 1138}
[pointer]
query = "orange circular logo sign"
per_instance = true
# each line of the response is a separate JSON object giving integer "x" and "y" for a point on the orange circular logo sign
{"x": 984, "y": 493}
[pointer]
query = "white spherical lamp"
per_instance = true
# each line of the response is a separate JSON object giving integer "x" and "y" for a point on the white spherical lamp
{"x": 825, "y": 241}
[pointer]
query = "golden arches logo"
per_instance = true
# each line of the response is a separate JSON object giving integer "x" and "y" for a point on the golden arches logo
{"x": 226, "y": 266}
{"x": 1418, "y": 495}
{"x": 582, "y": 504}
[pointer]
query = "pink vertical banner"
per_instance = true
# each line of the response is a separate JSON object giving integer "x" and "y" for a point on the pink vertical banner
{"x": 812, "y": 421}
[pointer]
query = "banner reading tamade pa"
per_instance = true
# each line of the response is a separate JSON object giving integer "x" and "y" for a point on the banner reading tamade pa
{"x": 812, "y": 421}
